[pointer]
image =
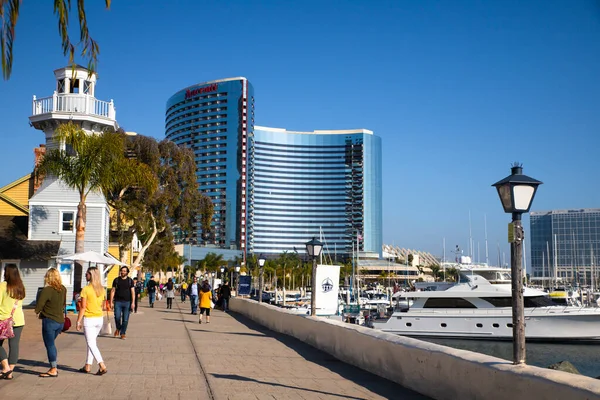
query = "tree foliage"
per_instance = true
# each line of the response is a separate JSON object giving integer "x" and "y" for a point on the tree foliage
{"x": 175, "y": 200}
{"x": 89, "y": 48}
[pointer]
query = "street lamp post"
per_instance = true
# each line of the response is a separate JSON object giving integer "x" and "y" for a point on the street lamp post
{"x": 261, "y": 264}
{"x": 222, "y": 273}
{"x": 313, "y": 248}
{"x": 516, "y": 193}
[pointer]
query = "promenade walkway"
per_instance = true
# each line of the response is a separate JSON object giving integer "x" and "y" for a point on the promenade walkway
{"x": 168, "y": 355}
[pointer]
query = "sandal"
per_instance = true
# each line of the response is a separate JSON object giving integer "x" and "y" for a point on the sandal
{"x": 101, "y": 371}
{"x": 85, "y": 371}
{"x": 5, "y": 375}
{"x": 48, "y": 375}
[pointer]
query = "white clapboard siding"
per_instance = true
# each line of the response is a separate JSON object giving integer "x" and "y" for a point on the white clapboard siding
{"x": 32, "y": 274}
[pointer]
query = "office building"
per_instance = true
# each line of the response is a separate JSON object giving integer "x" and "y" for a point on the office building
{"x": 567, "y": 239}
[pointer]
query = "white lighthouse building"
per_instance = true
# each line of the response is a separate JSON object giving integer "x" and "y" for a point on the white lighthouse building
{"x": 53, "y": 207}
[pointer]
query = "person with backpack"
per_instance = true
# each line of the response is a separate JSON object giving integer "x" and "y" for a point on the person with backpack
{"x": 122, "y": 295}
{"x": 139, "y": 287}
{"x": 151, "y": 291}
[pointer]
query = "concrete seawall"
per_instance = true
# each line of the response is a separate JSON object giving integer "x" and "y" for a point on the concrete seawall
{"x": 436, "y": 371}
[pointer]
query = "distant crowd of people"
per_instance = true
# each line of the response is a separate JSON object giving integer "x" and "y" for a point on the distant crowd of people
{"x": 93, "y": 307}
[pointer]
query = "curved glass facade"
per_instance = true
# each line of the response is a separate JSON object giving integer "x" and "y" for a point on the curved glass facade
{"x": 323, "y": 183}
{"x": 214, "y": 119}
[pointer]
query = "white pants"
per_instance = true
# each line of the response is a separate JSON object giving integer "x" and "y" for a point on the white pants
{"x": 91, "y": 329}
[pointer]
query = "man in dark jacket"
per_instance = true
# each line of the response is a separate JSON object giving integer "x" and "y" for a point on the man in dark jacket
{"x": 193, "y": 291}
{"x": 225, "y": 296}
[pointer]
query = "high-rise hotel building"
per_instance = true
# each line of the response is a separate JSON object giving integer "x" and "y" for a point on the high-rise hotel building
{"x": 274, "y": 189}
{"x": 569, "y": 239}
{"x": 323, "y": 183}
{"x": 215, "y": 119}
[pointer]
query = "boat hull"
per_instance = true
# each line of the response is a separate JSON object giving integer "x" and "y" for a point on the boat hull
{"x": 543, "y": 324}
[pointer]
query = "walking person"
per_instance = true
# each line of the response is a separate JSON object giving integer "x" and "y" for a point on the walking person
{"x": 170, "y": 289}
{"x": 225, "y": 296}
{"x": 122, "y": 295}
{"x": 183, "y": 290}
{"x": 205, "y": 301}
{"x": 50, "y": 307}
{"x": 138, "y": 286}
{"x": 193, "y": 291}
{"x": 151, "y": 291}
{"x": 12, "y": 293}
{"x": 90, "y": 319}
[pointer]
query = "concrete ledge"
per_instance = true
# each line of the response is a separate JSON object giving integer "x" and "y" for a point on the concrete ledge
{"x": 433, "y": 370}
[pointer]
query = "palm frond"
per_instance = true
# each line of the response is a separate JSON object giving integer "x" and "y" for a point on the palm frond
{"x": 9, "y": 14}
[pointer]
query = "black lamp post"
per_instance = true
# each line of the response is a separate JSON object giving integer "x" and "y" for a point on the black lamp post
{"x": 313, "y": 248}
{"x": 261, "y": 264}
{"x": 223, "y": 274}
{"x": 516, "y": 193}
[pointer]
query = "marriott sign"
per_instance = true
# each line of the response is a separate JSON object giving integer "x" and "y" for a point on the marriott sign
{"x": 206, "y": 89}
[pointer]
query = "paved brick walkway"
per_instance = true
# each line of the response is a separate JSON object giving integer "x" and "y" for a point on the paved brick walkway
{"x": 168, "y": 355}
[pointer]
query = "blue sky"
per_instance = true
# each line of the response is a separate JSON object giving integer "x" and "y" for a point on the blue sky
{"x": 457, "y": 90}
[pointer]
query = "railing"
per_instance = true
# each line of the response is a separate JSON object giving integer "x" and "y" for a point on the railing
{"x": 74, "y": 103}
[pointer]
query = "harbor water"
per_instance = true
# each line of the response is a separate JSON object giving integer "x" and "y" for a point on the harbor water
{"x": 585, "y": 357}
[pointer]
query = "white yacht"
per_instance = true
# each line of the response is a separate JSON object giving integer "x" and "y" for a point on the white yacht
{"x": 475, "y": 308}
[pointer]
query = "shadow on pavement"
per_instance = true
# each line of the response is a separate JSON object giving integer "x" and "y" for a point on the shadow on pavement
{"x": 246, "y": 379}
{"x": 374, "y": 383}
{"x": 34, "y": 363}
{"x": 179, "y": 320}
{"x": 229, "y": 333}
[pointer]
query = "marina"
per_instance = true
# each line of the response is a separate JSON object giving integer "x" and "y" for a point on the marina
{"x": 583, "y": 356}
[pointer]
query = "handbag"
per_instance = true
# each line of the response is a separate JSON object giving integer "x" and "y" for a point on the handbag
{"x": 67, "y": 323}
{"x": 106, "y": 326}
{"x": 6, "y": 326}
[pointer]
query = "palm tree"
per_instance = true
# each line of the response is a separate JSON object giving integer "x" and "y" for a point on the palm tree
{"x": 435, "y": 270}
{"x": 86, "y": 166}
{"x": 9, "y": 14}
{"x": 212, "y": 262}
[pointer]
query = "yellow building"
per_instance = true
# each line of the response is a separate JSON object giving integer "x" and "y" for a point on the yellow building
{"x": 14, "y": 197}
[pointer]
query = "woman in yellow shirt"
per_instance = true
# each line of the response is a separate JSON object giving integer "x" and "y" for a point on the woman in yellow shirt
{"x": 205, "y": 301}
{"x": 12, "y": 293}
{"x": 91, "y": 319}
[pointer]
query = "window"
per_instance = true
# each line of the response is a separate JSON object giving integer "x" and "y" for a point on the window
{"x": 61, "y": 86}
{"x": 67, "y": 221}
{"x": 499, "y": 301}
{"x": 87, "y": 85}
{"x": 448, "y": 303}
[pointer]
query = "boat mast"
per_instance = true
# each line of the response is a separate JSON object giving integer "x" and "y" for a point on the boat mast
{"x": 548, "y": 254}
{"x": 487, "y": 259}
{"x": 555, "y": 263}
{"x": 470, "y": 239}
{"x": 543, "y": 269}
{"x": 592, "y": 271}
{"x": 444, "y": 259}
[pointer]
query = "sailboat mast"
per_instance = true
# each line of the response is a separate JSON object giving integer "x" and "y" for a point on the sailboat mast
{"x": 543, "y": 269}
{"x": 487, "y": 258}
{"x": 444, "y": 258}
{"x": 470, "y": 239}
{"x": 555, "y": 263}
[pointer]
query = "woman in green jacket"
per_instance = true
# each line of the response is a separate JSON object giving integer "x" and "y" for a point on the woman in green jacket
{"x": 51, "y": 308}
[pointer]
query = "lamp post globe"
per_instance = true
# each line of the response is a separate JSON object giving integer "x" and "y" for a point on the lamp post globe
{"x": 261, "y": 264}
{"x": 516, "y": 193}
{"x": 313, "y": 248}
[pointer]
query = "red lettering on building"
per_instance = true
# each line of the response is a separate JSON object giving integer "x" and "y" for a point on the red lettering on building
{"x": 195, "y": 92}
